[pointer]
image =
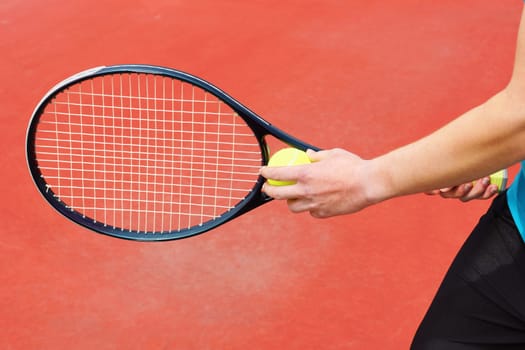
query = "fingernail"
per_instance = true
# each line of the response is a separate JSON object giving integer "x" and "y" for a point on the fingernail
{"x": 485, "y": 181}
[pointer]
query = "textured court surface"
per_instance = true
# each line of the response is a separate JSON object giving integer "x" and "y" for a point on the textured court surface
{"x": 363, "y": 75}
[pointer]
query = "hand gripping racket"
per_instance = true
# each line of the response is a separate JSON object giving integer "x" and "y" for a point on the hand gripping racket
{"x": 148, "y": 153}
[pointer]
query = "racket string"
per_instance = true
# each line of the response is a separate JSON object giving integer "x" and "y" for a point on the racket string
{"x": 145, "y": 153}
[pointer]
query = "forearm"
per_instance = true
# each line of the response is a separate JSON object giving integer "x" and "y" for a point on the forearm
{"x": 483, "y": 140}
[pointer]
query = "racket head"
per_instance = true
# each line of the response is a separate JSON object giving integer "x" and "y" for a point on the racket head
{"x": 81, "y": 153}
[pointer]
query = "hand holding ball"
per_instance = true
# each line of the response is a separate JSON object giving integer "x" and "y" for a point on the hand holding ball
{"x": 287, "y": 157}
{"x": 499, "y": 178}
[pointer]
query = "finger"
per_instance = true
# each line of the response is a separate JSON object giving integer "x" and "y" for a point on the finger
{"x": 457, "y": 191}
{"x": 447, "y": 189}
{"x": 477, "y": 191}
{"x": 321, "y": 214}
{"x": 281, "y": 173}
{"x": 316, "y": 156}
{"x": 283, "y": 192}
{"x": 490, "y": 191}
{"x": 298, "y": 205}
{"x": 432, "y": 193}
{"x": 440, "y": 191}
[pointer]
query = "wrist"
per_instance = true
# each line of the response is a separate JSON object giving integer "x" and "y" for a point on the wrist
{"x": 379, "y": 185}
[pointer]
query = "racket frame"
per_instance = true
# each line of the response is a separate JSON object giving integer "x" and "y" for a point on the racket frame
{"x": 260, "y": 127}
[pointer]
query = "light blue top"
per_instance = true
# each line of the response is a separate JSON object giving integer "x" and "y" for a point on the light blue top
{"x": 516, "y": 199}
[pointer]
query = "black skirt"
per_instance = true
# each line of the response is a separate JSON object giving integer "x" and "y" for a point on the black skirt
{"x": 481, "y": 301}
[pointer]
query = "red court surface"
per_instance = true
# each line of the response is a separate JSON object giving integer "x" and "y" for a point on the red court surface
{"x": 364, "y": 75}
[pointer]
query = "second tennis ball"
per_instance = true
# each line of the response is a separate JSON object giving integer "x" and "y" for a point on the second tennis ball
{"x": 500, "y": 178}
{"x": 287, "y": 157}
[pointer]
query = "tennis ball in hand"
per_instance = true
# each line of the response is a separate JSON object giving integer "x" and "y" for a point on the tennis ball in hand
{"x": 499, "y": 178}
{"x": 287, "y": 157}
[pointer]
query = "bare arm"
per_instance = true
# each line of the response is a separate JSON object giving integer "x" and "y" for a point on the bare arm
{"x": 483, "y": 140}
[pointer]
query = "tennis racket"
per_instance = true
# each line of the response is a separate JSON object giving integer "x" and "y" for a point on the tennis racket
{"x": 148, "y": 153}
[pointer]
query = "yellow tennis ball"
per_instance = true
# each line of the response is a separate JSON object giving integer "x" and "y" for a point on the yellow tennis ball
{"x": 287, "y": 157}
{"x": 500, "y": 178}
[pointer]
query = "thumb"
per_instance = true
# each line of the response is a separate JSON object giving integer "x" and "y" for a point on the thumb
{"x": 315, "y": 156}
